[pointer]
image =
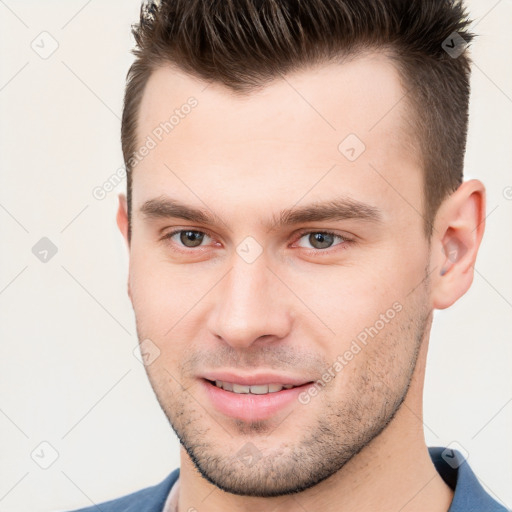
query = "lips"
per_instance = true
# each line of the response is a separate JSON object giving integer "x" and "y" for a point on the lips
{"x": 252, "y": 398}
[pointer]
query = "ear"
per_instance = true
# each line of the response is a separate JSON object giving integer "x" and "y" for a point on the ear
{"x": 122, "y": 218}
{"x": 458, "y": 230}
{"x": 123, "y": 224}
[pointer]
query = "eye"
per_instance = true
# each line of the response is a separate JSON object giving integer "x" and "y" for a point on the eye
{"x": 187, "y": 237}
{"x": 320, "y": 240}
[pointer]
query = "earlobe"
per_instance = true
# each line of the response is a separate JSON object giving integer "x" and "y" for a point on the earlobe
{"x": 458, "y": 231}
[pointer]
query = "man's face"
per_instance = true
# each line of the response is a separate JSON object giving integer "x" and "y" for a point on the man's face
{"x": 249, "y": 295}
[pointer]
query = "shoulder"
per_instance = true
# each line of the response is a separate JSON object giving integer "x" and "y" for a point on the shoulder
{"x": 150, "y": 499}
{"x": 469, "y": 495}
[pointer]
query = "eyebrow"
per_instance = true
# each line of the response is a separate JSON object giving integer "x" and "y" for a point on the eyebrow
{"x": 335, "y": 209}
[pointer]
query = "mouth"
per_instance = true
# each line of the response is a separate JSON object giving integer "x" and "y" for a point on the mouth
{"x": 252, "y": 401}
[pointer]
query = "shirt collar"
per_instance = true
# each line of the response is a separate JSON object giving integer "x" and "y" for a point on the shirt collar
{"x": 469, "y": 495}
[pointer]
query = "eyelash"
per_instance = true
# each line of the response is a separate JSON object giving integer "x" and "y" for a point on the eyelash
{"x": 341, "y": 245}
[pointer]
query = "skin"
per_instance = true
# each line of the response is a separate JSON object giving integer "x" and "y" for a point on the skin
{"x": 297, "y": 307}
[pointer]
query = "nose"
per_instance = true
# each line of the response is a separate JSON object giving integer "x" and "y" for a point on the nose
{"x": 251, "y": 306}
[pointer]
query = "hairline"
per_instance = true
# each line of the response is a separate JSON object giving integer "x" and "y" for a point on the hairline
{"x": 410, "y": 141}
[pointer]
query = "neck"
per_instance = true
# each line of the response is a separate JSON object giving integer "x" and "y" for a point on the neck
{"x": 392, "y": 473}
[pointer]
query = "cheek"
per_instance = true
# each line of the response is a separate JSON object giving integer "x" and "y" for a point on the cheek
{"x": 158, "y": 287}
{"x": 170, "y": 304}
{"x": 348, "y": 299}
{"x": 379, "y": 360}
{"x": 364, "y": 302}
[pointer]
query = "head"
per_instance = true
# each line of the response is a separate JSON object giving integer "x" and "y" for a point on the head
{"x": 299, "y": 219}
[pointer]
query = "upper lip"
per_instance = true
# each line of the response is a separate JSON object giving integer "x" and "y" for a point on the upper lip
{"x": 255, "y": 379}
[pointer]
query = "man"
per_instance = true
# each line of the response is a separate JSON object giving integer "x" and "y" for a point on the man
{"x": 295, "y": 212}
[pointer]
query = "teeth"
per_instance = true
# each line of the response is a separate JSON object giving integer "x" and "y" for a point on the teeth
{"x": 261, "y": 389}
{"x": 238, "y": 388}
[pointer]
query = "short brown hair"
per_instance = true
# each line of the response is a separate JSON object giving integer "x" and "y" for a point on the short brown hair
{"x": 244, "y": 44}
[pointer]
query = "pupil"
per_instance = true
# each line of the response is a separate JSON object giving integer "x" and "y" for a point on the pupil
{"x": 321, "y": 240}
{"x": 191, "y": 238}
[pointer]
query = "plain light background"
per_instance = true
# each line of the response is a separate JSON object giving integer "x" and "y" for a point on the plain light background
{"x": 68, "y": 373}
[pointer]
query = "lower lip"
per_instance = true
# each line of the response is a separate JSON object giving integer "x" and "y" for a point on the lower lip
{"x": 250, "y": 407}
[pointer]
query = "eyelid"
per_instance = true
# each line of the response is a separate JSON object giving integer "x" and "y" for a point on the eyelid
{"x": 344, "y": 239}
{"x": 170, "y": 234}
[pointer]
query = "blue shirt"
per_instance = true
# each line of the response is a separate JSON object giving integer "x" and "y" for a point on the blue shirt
{"x": 469, "y": 495}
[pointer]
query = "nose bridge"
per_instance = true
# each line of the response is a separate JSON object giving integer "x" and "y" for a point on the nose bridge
{"x": 248, "y": 305}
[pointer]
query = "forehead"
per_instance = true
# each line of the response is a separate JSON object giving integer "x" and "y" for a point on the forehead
{"x": 353, "y": 115}
{"x": 358, "y": 93}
